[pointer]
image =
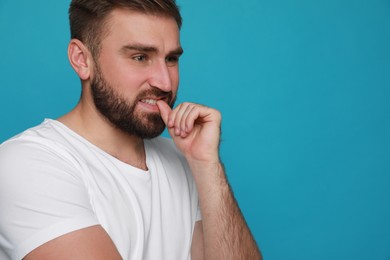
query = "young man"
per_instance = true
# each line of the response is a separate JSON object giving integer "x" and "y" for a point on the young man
{"x": 98, "y": 183}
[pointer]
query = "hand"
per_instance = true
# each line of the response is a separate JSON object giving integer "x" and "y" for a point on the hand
{"x": 195, "y": 130}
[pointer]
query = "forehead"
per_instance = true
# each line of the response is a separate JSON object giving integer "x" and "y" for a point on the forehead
{"x": 126, "y": 26}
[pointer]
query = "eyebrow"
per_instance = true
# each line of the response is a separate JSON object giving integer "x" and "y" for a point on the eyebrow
{"x": 149, "y": 49}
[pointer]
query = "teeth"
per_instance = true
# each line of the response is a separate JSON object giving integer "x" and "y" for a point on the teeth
{"x": 149, "y": 101}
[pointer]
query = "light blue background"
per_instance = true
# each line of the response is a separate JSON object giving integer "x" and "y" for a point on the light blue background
{"x": 304, "y": 88}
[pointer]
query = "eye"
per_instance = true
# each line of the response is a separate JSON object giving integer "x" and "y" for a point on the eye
{"x": 172, "y": 60}
{"x": 140, "y": 58}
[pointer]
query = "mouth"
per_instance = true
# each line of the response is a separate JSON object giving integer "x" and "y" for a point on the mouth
{"x": 150, "y": 104}
{"x": 153, "y": 100}
{"x": 149, "y": 101}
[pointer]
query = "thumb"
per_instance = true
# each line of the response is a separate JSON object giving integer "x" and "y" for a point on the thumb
{"x": 164, "y": 110}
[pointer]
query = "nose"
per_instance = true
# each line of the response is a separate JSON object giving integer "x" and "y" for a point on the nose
{"x": 161, "y": 77}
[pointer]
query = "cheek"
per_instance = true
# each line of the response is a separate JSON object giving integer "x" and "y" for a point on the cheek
{"x": 119, "y": 72}
{"x": 126, "y": 78}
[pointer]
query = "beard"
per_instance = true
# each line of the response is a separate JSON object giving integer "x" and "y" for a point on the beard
{"x": 122, "y": 114}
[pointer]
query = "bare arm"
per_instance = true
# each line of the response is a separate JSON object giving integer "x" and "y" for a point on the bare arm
{"x": 92, "y": 243}
{"x": 195, "y": 129}
{"x": 226, "y": 234}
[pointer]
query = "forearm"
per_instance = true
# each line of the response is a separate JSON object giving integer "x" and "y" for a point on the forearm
{"x": 226, "y": 234}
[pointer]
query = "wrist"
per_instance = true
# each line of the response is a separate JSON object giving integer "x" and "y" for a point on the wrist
{"x": 208, "y": 173}
{"x": 208, "y": 166}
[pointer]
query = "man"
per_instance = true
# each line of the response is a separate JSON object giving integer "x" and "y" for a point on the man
{"x": 98, "y": 183}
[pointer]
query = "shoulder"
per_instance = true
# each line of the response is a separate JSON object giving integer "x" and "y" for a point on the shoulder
{"x": 34, "y": 147}
{"x": 33, "y": 160}
{"x": 37, "y": 157}
{"x": 41, "y": 135}
{"x": 28, "y": 144}
{"x": 48, "y": 143}
{"x": 40, "y": 190}
{"x": 32, "y": 165}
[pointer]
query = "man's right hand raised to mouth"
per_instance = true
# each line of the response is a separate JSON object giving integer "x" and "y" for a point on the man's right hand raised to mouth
{"x": 195, "y": 129}
{"x": 223, "y": 232}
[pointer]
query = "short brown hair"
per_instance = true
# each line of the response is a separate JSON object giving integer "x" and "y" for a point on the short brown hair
{"x": 88, "y": 17}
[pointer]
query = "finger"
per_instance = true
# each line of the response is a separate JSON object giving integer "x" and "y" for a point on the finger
{"x": 165, "y": 110}
{"x": 183, "y": 126}
{"x": 186, "y": 125}
{"x": 194, "y": 115}
{"x": 177, "y": 116}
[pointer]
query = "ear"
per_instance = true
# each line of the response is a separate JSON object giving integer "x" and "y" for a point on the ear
{"x": 80, "y": 59}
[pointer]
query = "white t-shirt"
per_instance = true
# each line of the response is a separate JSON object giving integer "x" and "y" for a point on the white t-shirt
{"x": 53, "y": 181}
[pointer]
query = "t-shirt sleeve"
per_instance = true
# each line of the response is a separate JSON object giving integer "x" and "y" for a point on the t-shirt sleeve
{"x": 42, "y": 197}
